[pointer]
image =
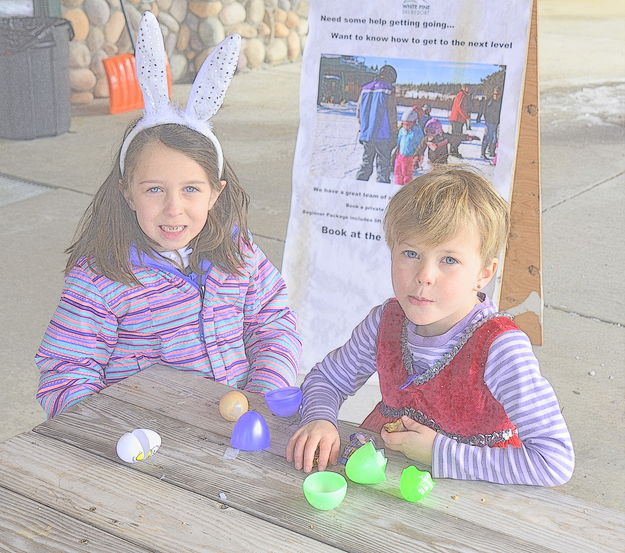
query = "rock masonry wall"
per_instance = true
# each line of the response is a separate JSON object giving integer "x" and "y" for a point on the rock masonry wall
{"x": 273, "y": 32}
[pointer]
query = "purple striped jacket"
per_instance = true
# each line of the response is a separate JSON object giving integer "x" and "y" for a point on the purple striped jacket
{"x": 235, "y": 329}
{"x": 511, "y": 374}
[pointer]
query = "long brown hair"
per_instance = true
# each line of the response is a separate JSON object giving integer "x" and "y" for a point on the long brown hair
{"x": 109, "y": 228}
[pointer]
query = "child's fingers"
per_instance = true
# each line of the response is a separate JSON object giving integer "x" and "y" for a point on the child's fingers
{"x": 392, "y": 440}
{"x": 411, "y": 424}
{"x": 324, "y": 456}
{"x": 325, "y": 453}
{"x": 290, "y": 447}
{"x": 309, "y": 453}
{"x": 334, "y": 453}
{"x": 298, "y": 451}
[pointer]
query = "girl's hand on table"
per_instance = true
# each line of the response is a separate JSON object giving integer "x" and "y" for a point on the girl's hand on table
{"x": 415, "y": 442}
{"x": 303, "y": 445}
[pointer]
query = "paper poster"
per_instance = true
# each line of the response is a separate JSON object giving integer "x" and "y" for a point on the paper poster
{"x": 445, "y": 77}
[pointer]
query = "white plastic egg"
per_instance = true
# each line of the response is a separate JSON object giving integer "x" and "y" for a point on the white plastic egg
{"x": 138, "y": 445}
{"x": 150, "y": 440}
{"x": 129, "y": 448}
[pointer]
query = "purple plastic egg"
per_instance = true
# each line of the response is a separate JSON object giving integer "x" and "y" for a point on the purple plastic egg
{"x": 250, "y": 432}
{"x": 284, "y": 402}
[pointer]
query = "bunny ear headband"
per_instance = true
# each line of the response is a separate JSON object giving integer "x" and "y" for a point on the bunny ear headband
{"x": 206, "y": 96}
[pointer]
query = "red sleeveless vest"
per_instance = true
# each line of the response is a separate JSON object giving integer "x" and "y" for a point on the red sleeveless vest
{"x": 453, "y": 400}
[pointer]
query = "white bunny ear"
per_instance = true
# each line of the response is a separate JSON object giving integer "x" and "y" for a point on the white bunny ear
{"x": 151, "y": 64}
{"x": 205, "y": 98}
{"x": 213, "y": 79}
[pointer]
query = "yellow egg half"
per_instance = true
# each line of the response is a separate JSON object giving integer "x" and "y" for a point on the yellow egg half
{"x": 232, "y": 405}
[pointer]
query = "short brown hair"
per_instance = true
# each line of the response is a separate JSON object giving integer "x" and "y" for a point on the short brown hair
{"x": 438, "y": 204}
{"x": 109, "y": 227}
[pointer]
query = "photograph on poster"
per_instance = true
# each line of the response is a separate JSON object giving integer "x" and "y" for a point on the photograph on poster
{"x": 434, "y": 112}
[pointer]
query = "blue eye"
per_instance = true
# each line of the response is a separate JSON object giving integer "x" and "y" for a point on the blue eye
{"x": 191, "y": 189}
{"x": 410, "y": 254}
{"x": 153, "y": 189}
{"x": 448, "y": 260}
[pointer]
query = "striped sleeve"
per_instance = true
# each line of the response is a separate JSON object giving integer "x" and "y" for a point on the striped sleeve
{"x": 272, "y": 343}
{"x": 546, "y": 457}
{"x": 342, "y": 372}
{"x": 76, "y": 345}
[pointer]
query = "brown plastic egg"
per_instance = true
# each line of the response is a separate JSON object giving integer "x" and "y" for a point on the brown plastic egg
{"x": 232, "y": 405}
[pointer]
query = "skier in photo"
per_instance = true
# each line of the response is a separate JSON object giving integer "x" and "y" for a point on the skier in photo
{"x": 492, "y": 111}
{"x": 459, "y": 116}
{"x": 377, "y": 115}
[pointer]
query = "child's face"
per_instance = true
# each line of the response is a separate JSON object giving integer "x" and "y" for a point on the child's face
{"x": 171, "y": 195}
{"x": 437, "y": 286}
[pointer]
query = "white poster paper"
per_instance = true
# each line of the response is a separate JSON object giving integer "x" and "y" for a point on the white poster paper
{"x": 442, "y": 52}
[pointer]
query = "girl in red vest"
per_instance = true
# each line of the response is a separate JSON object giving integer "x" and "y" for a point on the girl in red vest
{"x": 460, "y": 376}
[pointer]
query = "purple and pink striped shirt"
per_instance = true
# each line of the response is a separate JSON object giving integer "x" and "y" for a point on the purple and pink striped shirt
{"x": 235, "y": 329}
{"x": 512, "y": 375}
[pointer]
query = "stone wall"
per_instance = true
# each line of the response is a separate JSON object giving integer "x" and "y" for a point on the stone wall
{"x": 273, "y": 31}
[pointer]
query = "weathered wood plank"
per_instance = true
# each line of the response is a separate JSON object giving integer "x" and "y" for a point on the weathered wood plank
{"x": 264, "y": 485}
{"x": 29, "y": 527}
{"x": 195, "y": 400}
{"x": 522, "y": 512}
{"x": 511, "y": 505}
{"x": 133, "y": 506}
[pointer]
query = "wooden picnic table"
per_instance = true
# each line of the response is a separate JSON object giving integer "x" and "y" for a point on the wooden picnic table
{"x": 63, "y": 489}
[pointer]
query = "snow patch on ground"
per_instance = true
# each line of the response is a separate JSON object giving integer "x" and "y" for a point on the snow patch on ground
{"x": 590, "y": 105}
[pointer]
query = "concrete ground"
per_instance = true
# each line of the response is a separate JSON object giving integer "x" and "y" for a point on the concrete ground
{"x": 47, "y": 183}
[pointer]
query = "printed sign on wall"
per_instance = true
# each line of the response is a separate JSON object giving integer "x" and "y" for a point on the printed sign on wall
{"x": 388, "y": 90}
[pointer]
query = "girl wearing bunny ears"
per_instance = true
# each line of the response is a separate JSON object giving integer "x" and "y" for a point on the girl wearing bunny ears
{"x": 163, "y": 269}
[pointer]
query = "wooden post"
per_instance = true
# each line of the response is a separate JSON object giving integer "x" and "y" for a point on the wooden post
{"x": 521, "y": 288}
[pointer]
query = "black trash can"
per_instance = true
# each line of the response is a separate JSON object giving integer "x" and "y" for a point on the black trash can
{"x": 34, "y": 77}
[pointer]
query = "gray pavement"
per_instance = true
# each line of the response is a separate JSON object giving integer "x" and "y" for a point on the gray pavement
{"x": 49, "y": 182}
